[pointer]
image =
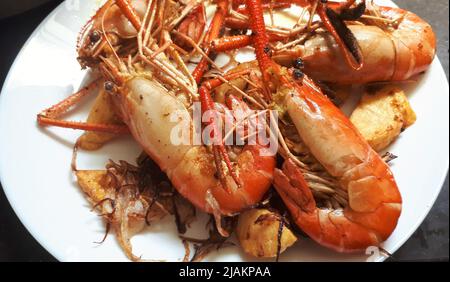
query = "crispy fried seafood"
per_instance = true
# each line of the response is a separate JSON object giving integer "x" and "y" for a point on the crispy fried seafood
{"x": 156, "y": 59}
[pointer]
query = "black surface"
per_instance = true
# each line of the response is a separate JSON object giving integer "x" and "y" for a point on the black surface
{"x": 230, "y": 271}
{"x": 16, "y": 244}
{"x": 429, "y": 243}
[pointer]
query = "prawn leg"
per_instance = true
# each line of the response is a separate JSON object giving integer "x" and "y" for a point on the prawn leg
{"x": 214, "y": 31}
{"x": 266, "y": 6}
{"x": 50, "y": 116}
{"x": 219, "y": 150}
{"x": 336, "y": 27}
{"x": 130, "y": 13}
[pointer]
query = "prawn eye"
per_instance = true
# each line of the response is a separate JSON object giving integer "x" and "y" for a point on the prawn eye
{"x": 109, "y": 86}
{"x": 298, "y": 63}
{"x": 298, "y": 74}
{"x": 94, "y": 36}
{"x": 267, "y": 49}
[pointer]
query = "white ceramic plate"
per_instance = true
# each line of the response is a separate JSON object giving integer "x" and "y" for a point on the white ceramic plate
{"x": 35, "y": 162}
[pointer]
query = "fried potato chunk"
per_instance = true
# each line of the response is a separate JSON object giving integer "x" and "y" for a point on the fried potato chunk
{"x": 92, "y": 182}
{"x": 257, "y": 231}
{"x": 102, "y": 112}
{"x": 382, "y": 116}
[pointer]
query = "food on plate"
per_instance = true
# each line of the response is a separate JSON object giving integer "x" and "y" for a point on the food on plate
{"x": 371, "y": 206}
{"x": 94, "y": 184}
{"x": 156, "y": 65}
{"x": 381, "y": 116}
{"x": 393, "y": 44}
{"x": 262, "y": 233}
{"x": 102, "y": 112}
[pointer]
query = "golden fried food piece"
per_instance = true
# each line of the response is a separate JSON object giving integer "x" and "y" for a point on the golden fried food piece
{"x": 102, "y": 112}
{"x": 257, "y": 231}
{"x": 382, "y": 116}
{"x": 93, "y": 183}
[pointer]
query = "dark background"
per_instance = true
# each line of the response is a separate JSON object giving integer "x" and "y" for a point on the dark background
{"x": 429, "y": 243}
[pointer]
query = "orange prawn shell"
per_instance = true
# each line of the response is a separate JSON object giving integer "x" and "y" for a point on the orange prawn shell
{"x": 416, "y": 40}
{"x": 374, "y": 199}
